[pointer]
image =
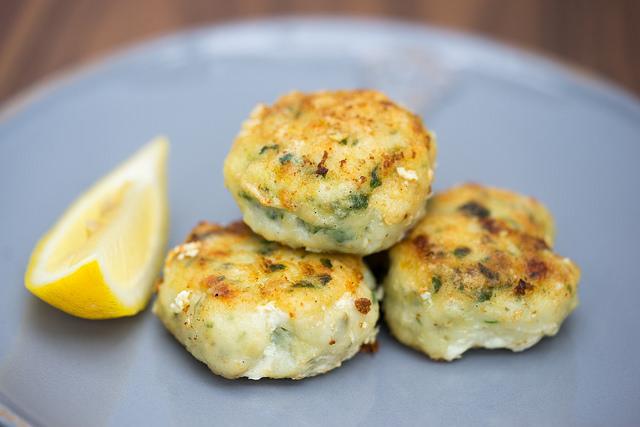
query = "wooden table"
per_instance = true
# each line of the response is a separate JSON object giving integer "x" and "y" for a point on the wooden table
{"x": 39, "y": 37}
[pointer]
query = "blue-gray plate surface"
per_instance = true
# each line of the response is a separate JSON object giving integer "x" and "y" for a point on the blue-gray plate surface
{"x": 502, "y": 117}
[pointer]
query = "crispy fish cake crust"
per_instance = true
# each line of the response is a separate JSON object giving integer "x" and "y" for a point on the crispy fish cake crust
{"x": 489, "y": 204}
{"x": 251, "y": 308}
{"x": 477, "y": 272}
{"x": 345, "y": 171}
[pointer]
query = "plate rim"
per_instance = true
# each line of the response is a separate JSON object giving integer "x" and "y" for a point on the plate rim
{"x": 65, "y": 76}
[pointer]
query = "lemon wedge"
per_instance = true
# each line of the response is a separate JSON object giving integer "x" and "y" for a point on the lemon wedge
{"x": 101, "y": 258}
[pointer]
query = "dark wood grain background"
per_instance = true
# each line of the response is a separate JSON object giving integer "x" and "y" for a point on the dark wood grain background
{"x": 38, "y": 37}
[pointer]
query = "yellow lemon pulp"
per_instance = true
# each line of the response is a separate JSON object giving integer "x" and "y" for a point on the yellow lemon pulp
{"x": 102, "y": 256}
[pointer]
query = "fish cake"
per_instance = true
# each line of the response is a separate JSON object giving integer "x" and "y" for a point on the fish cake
{"x": 478, "y": 271}
{"x": 344, "y": 171}
{"x": 251, "y": 308}
{"x": 520, "y": 212}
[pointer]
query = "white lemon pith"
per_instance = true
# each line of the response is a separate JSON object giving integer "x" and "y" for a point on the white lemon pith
{"x": 101, "y": 258}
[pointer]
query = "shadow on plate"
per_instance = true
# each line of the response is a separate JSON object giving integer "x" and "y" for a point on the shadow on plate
{"x": 50, "y": 323}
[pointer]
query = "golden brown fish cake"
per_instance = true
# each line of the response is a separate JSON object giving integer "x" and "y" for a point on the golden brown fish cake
{"x": 465, "y": 278}
{"x": 520, "y": 212}
{"x": 345, "y": 171}
{"x": 253, "y": 308}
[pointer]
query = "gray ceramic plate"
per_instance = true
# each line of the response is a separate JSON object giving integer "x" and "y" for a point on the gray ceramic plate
{"x": 502, "y": 117}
